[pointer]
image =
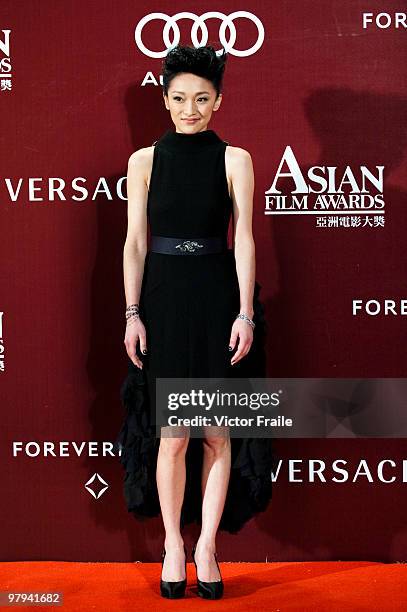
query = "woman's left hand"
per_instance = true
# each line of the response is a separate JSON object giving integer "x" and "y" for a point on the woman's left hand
{"x": 244, "y": 332}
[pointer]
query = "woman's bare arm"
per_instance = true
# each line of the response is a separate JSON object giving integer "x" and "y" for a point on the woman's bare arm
{"x": 135, "y": 246}
{"x": 242, "y": 189}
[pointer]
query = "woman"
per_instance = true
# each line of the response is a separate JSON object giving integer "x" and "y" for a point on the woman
{"x": 192, "y": 311}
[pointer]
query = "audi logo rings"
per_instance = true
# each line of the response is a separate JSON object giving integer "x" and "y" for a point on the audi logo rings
{"x": 199, "y": 22}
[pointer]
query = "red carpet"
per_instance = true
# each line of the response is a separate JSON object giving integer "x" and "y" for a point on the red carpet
{"x": 316, "y": 587}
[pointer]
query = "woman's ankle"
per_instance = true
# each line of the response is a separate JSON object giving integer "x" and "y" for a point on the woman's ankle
{"x": 173, "y": 542}
{"x": 205, "y": 543}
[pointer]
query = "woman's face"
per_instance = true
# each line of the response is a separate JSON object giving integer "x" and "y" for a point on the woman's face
{"x": 191, "y": 101}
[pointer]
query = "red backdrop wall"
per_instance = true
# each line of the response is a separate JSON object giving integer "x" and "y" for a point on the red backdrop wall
{"x": 332, "y": 90}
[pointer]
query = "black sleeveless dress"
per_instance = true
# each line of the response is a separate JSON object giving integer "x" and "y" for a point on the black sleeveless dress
{"x": 188, "y": 305}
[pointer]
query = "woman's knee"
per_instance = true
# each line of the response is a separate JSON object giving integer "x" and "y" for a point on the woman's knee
{"x": 173, "y": 447}
{"x": 216, "y": 445}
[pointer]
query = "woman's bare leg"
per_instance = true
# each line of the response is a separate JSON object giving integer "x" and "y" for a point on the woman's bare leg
{"x": 215, "y": 480}
{"x": 171, "y": 474}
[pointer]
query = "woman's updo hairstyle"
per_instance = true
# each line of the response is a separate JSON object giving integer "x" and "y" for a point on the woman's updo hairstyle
{"x": 201, "y": 61}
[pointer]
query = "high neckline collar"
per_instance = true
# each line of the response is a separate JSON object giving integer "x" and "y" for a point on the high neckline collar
{"x": 181, "y": 141}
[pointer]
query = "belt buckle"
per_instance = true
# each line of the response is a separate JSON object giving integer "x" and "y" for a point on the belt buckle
{"x": 188, "y": 246}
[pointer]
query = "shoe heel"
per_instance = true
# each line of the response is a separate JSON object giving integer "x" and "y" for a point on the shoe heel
{"x": 173, "y": 589}
{"x": 208, "y": 590}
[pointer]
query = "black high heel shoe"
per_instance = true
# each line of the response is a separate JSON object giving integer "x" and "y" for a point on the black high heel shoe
{"x": 171, "y": 589}
{"x": 208, "y": 590}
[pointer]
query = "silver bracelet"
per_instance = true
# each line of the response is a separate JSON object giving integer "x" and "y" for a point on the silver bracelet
{"x": 243, "y": 316}
{"x": 132, "y": 310}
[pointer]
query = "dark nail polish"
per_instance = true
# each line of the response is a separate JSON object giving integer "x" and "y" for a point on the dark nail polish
{"x": 144, "y": 351}
{"x": 230, "y": 348}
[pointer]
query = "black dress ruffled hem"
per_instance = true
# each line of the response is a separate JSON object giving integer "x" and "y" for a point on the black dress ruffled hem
{"x": 253, "y": 459}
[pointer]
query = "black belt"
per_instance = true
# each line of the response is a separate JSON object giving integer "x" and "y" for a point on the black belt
{"x": 187, "y": 246}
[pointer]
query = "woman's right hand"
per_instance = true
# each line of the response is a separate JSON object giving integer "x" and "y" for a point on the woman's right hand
{"x": 135, "y": 332}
